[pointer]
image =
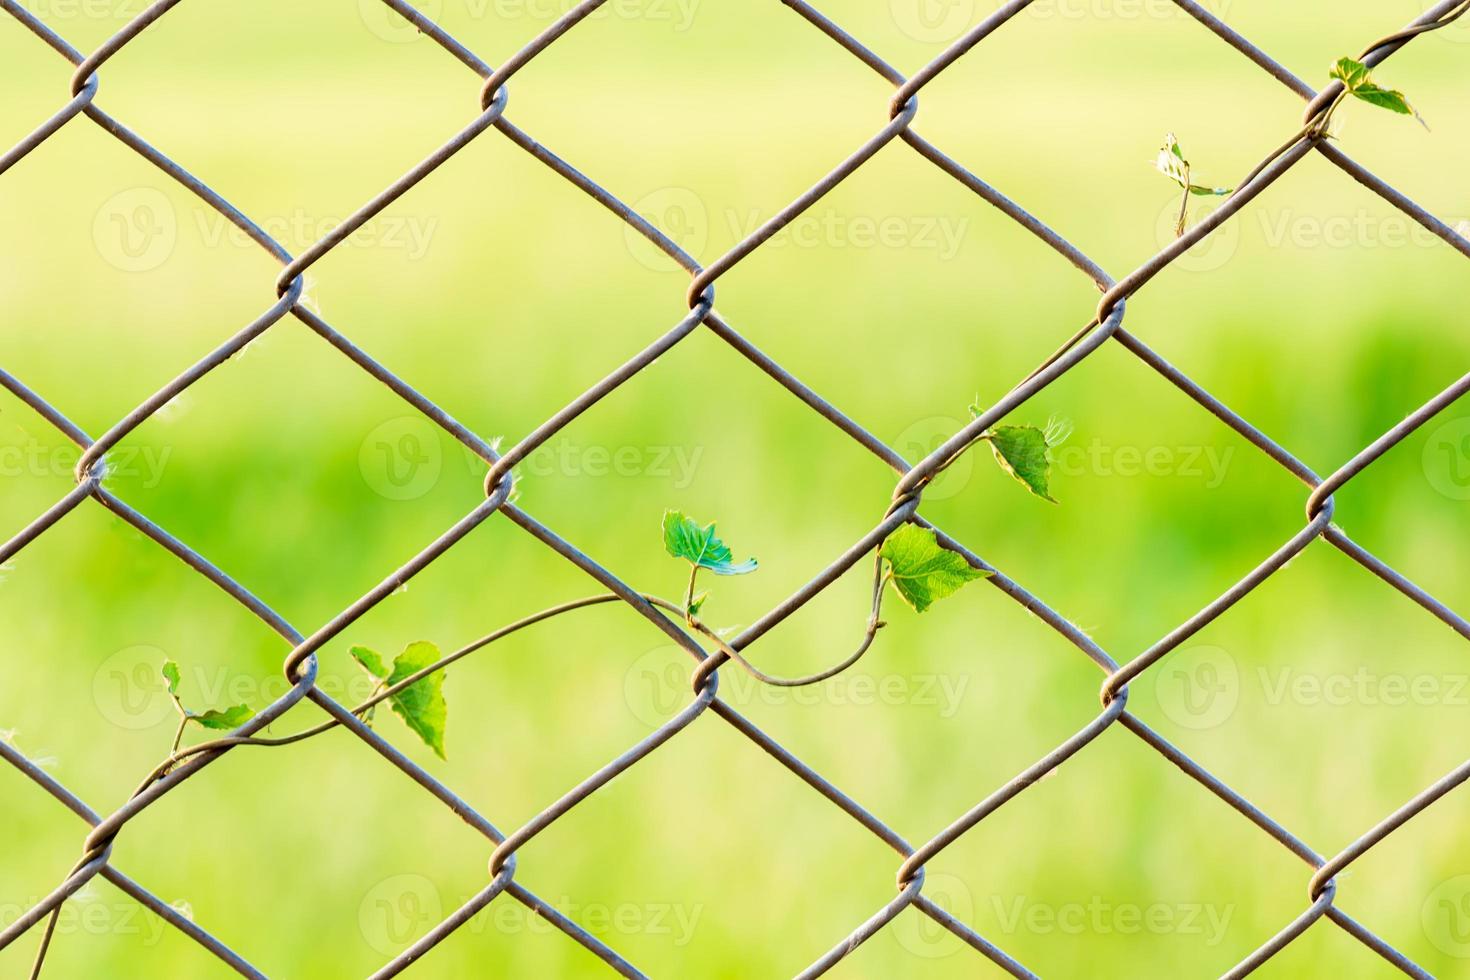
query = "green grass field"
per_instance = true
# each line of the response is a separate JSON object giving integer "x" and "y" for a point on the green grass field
{"x": 502, "y": 292}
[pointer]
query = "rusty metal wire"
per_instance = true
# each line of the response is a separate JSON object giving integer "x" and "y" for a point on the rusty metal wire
{"x": 1106, "y": 326}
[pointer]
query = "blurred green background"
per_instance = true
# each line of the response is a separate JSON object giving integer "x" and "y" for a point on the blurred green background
{"x": 502, "y": 292}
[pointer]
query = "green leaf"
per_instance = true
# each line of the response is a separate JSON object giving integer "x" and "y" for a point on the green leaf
{"x": 170, "y": 671}
{"x": 1357, "y": 78}
{"x": 1023, "y": 452}
{"x": 421, "y": 705}
{"x": 1351, "y": 72}
{"x": 1171, "y": 162}
{"x": 923, "y": 572}
{"x": 225, "y": 720}
{"x": 1385, "y": 99}
{"x": 684, "y": 538}
{"x": 697, "y": 603}
{"x": 370, "y": 661}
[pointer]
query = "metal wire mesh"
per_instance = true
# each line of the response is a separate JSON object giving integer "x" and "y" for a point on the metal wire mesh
{"x": 1106, "y": 326}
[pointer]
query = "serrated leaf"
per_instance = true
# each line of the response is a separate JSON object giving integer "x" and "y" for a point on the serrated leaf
{"x": 226, "y": 720}
{"x": 170, "y": 671}
{"x": 370, "y": 661}
{"x": 1351, "y": 72}
{"x": 1384, "y": 99}
{"x": 1357, "y": 78}
{"x": 923, "y": 572}
{"x": 1023, "y": 452}
{"x": 700, "y": 546}
{"x": 421, "y": 705}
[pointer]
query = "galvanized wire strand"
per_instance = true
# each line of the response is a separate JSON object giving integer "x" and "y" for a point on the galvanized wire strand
{"x": 671, "y": 619}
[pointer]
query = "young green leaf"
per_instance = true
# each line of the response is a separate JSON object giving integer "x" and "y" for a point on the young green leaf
{"x": 421, "y": 705}
{"x": 232, "y": 717}
{"x": 226, "y": 720}
{"x": 1357, "y": 78}
{"x": 922, "y": 571}
{"x": 1171, "y": 163}
{"x": 1024, "y": 453}
{"x": 684, "y": 538}
{"x": 369, "y": 661}
{"x": 1351, "y": 72}
{"x": 170, "y": 671}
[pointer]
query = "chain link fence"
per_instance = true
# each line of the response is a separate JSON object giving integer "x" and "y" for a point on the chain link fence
{"x": 505, "y": 880}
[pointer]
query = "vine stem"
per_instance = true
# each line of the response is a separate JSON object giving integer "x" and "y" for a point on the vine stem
{"x": 178, "y": 755}
{"x": 1316, "y": 129}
